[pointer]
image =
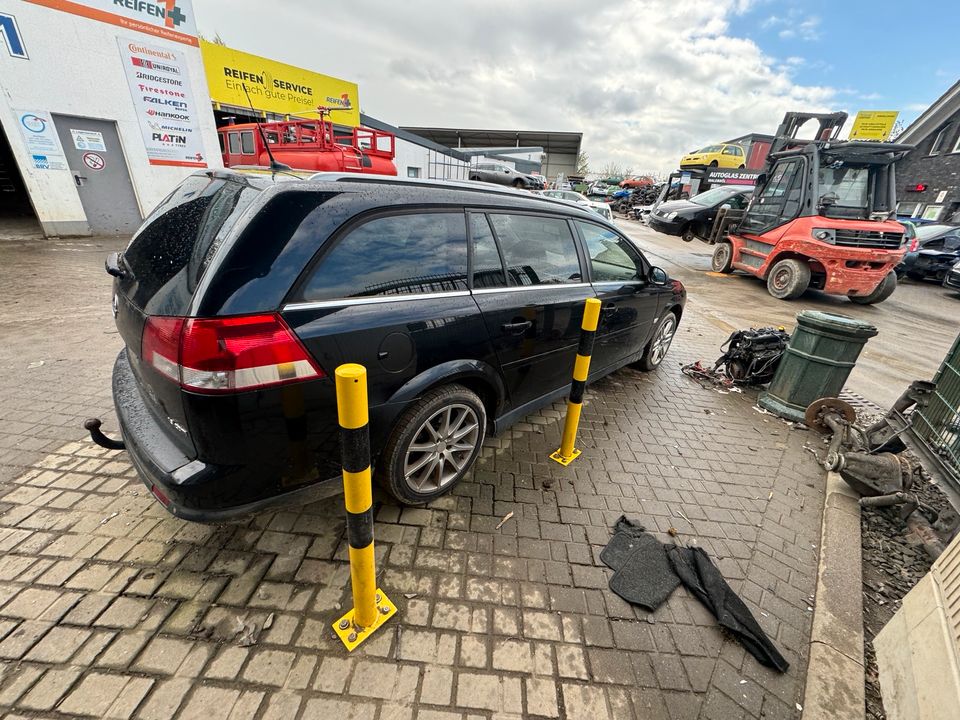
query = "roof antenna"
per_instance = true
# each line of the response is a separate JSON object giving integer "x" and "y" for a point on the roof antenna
{"x": 275, "y": 166}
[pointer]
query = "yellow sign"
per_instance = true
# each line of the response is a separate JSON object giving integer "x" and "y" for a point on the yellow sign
{"x": 873, "y": 124}
{"x": 276, "y": 87}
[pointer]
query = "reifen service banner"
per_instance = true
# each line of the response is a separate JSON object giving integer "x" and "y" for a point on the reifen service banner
{"x": 160, "y": 87}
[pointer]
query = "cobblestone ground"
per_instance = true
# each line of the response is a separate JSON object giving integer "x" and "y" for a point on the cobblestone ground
{"x": 111, "y": 608}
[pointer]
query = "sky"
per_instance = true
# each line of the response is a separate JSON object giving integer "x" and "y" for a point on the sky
{"x": 644, "y": 80}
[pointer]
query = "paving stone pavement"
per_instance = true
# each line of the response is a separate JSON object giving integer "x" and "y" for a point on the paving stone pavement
{"x": 111, "y": 608}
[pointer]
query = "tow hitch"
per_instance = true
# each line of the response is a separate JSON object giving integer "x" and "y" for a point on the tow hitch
{"x": 93, "y": 426}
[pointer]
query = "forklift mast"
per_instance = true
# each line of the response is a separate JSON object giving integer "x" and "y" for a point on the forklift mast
{"x": 786, "y": 135}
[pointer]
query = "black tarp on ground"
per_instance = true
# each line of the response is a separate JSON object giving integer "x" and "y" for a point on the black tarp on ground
{"x": 647, "y": 571}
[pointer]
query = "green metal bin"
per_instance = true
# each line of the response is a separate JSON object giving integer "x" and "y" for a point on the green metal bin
{"x": 822, "y": 352}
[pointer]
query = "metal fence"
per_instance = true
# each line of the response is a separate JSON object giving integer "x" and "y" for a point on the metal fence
{"x": 938, "y": 425}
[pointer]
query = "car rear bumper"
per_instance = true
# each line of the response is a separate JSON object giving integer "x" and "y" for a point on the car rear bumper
{"x": 187, "y": 487}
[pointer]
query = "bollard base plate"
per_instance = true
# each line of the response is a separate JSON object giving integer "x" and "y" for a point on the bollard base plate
{"x": 360, "y": 634}
{"x": 565, "y": 459}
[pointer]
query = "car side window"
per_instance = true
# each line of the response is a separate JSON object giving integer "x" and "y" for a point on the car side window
{"x": 487, "y": 265}
{"x": 396, "y": 255}
{"x": 612, "y": 259}
{"x": 728, "y": 150}
{"x": 234, "y": 139}
{"x": 537, "y": 250}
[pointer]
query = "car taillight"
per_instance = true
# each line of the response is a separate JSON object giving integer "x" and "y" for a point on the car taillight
{"x": 226, "y": 354}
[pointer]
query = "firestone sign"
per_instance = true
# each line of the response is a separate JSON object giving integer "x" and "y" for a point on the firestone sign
{"x": 169, "y": 19}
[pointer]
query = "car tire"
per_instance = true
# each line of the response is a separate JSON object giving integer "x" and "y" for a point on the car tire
{"x": 883, "y": 291}
{"x": 420, "y": 426}
{"x": 788, "y": 279}
{"x": 740, "y": 167}
{"x": 722, "y": 261}
{"x": 659, "y": 343}
{"x": 688, "y": 234}
{"x": 518, "y": 184}
{"x": 714, "y": 163}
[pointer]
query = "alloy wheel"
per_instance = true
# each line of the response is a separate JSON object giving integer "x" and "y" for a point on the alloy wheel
{"x": 441, "y": 448}
{"x": 664, "y": 336}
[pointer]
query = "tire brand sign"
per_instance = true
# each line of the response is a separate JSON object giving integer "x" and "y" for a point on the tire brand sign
{"x": 163, "y": 100}
{"x": 169, "y": 19}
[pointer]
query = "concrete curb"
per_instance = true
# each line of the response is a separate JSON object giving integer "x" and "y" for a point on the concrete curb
{"x": 835, "y": 674}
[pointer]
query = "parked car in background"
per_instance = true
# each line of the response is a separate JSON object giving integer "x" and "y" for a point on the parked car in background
{"x": 598, "y": 188}
{"x": 600, "y": 208}
{"x": 935, "y": 249}
{"x": 693, "y": 218}
{"x": 722, "y": 155}
{"x": 637, "y": 181}
{"x": 505, "y": 175}
{"x": 239, "y": 297}
{"x": 952, "y": 280}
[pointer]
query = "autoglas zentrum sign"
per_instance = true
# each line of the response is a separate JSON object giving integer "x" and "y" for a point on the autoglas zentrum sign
{"x": 170, "y": 19}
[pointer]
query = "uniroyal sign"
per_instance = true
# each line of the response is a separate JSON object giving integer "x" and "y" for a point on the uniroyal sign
{"x": 169, "y": 19}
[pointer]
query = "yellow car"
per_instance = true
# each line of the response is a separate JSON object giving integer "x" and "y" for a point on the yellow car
{"x": 723, "y": 155}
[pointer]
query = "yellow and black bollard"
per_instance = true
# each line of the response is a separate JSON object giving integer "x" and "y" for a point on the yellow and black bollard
{"x": 371, "y": 607}
{"x": 581, "y": 367}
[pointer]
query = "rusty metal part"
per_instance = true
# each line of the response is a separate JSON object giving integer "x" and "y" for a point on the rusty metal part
{"x": 873, "y": 475}
{"x": 819, "y": 410}
{"x": 923, "y": 530}
{"x": 883, "y": 436}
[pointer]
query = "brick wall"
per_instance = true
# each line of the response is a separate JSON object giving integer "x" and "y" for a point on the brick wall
{"x": 940, "y": 172}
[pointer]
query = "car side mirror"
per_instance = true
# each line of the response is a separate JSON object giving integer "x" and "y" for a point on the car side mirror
{"x": 726, "y": 206}
{"x": 658, "y": 276}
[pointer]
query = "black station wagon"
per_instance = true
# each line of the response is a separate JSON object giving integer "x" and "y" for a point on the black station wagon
{"x": 239, "y": 297}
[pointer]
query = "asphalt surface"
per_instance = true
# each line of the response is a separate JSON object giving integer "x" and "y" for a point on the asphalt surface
{"x": 917, "y": 324}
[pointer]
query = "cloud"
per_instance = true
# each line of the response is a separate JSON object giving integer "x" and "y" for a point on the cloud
{"x": 793, "y": 25}
{"x": 644, "y": 82}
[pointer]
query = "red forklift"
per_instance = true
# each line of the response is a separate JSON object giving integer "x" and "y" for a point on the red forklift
{"x": 308, "y": 145}
{"x": 822, "y": 216}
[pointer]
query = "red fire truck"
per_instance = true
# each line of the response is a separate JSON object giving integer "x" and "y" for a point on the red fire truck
{"x": 311, "y": 145}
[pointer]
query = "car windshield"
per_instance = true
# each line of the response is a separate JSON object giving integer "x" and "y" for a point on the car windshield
{"x": 712, "y": 197}
{"x": 710, "y": 149}
{"x": 847, "y": 187}
{"x": 925, "y": 232}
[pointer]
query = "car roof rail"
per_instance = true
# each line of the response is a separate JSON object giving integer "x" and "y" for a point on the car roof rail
{"x": 332, "y": 176}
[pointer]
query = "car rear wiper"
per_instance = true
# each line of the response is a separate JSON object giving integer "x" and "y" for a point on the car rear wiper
{"x": 115, "y": 265}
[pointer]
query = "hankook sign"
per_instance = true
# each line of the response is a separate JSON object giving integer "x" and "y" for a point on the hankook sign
{"x": 276, "y": 87}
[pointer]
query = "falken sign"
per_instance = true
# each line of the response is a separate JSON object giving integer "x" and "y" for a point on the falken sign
{"x": 160, "y": 88}
{"x": 169, "y": 19}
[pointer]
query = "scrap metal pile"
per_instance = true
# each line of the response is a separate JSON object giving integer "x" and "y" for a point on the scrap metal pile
{"x": 750, "y": 357}
{"x": 872, "y": 462}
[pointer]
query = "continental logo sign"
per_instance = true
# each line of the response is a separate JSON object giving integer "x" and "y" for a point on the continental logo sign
{"x": 276, "y": 87}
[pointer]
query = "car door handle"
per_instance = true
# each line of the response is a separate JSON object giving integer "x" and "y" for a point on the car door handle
{"x": 609, "y": 310}
{"x": 516, "y": 328}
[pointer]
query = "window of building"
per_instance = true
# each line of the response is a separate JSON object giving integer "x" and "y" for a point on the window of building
{"x": 397, "y": 255}
{"x": 907, "y": 209}
{"x": 612, "y": 259}
{"x": 537, "y": 250}
{"x": 938, "y": 141}
{"x": 413, "y": 172}
{"x": 932, "y": 212}
{"x": 956, "y": 145}
{"x": 246, "y": 142}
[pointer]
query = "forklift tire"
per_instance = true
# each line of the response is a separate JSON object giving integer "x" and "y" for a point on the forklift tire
{"x": 884, "y": 290}
{"x": 788, "y": 279}
{"x": 722, "y": 261}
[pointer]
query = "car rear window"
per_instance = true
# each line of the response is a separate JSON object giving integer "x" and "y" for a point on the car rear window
{"x": 179, "y": 238}
{"x": 537, "y": 250}
{"x": 407, "y": 254}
